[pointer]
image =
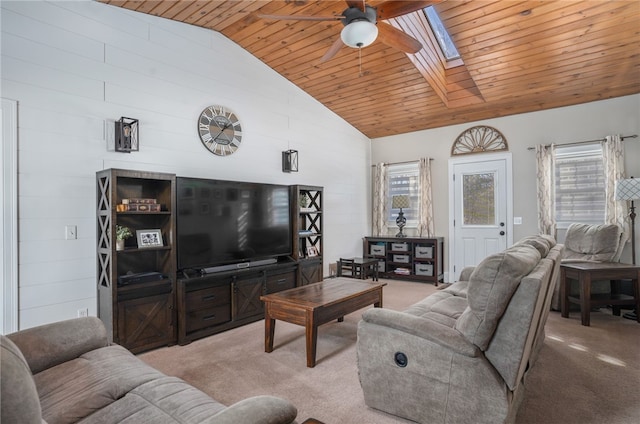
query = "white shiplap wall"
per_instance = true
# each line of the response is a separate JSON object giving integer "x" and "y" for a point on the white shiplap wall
{"x": 76, "y": 66}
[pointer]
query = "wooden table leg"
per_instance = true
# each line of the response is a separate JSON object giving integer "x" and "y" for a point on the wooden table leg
{"x": 269, "y": 329}
{"x": 311, "y": 335}
{"x": 636, "y": 292}
{"x": 378, "y": 304}
{"x": 585, "y": 298}
{"x": 615, "y": 288}
{"x": 564, "y": 293}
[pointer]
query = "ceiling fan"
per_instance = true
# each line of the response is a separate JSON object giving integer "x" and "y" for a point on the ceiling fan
{"x": 362, "y": 25}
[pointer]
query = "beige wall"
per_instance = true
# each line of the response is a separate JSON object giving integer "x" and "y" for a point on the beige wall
{"x": 574, "y": 123}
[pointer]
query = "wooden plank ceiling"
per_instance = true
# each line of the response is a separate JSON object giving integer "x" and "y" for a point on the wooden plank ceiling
{"x": 517, "y": 56}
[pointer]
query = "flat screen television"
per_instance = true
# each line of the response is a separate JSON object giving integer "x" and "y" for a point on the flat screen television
{"x": 222, "y": 223}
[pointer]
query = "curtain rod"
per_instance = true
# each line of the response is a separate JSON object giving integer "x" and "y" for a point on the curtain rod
{"x": 400, "y": 163}
{"x": 585, "y": 142}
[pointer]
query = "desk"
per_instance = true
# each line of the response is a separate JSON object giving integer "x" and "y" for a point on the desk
{"x": 362, "y": 267}
{"x": 585, "y": 273}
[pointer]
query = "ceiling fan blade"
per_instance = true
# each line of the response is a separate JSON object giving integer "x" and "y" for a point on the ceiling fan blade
{"x": 360, "y": 4}
{"x": 393, "y": 37}
{"x": 302, "y": 17}
{"x": 392, "y": 9}
{"x": 333, "y": 50}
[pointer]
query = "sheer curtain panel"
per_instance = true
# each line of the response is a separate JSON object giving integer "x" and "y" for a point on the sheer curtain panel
{"x": 546, "y": 192}
{"x": 379, "y": 200}
{"x": 426, "y": 227}
{"x": 613, "y": 161}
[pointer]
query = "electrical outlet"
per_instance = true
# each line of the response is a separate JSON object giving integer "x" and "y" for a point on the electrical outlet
{"x": 84, "y": 312}
{"x": 70, "y": 232}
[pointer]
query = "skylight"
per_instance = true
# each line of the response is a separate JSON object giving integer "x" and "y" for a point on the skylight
{"x": 444, "y": 40}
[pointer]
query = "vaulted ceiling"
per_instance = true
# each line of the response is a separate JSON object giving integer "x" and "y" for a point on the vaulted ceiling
{"x": 516, "y": 56}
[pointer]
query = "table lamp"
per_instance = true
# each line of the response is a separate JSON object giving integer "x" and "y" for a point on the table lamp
{"x": 398, "y": 202}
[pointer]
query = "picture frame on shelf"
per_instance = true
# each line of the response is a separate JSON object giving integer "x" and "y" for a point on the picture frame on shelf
{"x": 149, "y": 238}
{"x": 312, "y": 251}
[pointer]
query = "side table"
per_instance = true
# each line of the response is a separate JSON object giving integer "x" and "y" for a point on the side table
{"x": 362, "y": 268}
{"x": 585, "y": 273}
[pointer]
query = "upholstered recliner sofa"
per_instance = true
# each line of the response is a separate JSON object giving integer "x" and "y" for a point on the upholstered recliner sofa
{"x": 67, "y": 372}
{"x": 461, "y": 355}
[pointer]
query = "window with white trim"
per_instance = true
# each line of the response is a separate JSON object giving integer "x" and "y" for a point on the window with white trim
{"x": 403, "y": 179}
{"x": 579, "y": 185}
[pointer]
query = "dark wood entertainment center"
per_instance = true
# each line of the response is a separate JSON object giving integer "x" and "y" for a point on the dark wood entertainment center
{"x": 182, "y": 307}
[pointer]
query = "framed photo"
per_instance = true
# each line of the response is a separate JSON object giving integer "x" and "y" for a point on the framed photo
{"x": 312, "y": 251}
{"x": 149, "y": 238}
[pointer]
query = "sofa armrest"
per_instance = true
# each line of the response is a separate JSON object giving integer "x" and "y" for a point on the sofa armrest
{"x": 52, "y": 344}
{"x": 257, "y": 410}
{"x": 466, "y": 273}
{"x": 427, "y": 329}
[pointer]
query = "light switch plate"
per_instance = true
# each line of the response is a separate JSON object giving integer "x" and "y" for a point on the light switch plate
{"x": 70, "y": 232}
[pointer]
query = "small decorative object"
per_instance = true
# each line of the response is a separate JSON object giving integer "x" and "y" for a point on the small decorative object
{"x": 312, "y": 251}
{"x": 290, "y": 161}
{"x": 139, "y": 205}
{"x": 122, "y": 233}
{"x": 127, "y": 135}
{"x": 149, "y": 238}
{"x": 399, "y": 202}
{"x": 219, "y": 130}
{"x": 478, "y": 140}
{"x": 304, "y": 201}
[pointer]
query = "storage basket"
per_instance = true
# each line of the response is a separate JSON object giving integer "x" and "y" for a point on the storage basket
{"x": 377, "y": 249}
{"x": 400, "y": 247}
{"x": 424, "y": 252}
{"x": 403, "y": 259}
{"x": 424, "y": 269}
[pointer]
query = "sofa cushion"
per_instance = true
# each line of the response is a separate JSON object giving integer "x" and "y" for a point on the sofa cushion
{"x": 542, "y": 244}
{"x": 459, "y": 288}
{"x": 19, "y": 401}
{"x": 491, "y": 286}
{"x": 441, "y": 306}
{"x": 76, "y": 389}
{"x": 49, "y": 345}
{"x": 162, "y": 400}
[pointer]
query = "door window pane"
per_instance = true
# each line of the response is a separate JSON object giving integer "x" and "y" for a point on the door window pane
{"x": 479, "y": 199}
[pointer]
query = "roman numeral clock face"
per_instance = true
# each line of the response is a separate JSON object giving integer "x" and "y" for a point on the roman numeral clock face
{"x": 219, "y": 130}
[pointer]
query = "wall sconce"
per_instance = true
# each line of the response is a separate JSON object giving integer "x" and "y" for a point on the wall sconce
{"x": 290, "y": 161}
{"x": 127, "y": 135}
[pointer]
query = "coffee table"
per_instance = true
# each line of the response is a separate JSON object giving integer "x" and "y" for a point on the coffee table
{"x": 316, "y": 304}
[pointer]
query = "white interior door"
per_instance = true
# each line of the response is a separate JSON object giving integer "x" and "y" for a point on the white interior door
{"x": 482, "y": 208}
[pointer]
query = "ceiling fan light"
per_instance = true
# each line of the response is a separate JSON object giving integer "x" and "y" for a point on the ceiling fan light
{"x": 359, "y": 34}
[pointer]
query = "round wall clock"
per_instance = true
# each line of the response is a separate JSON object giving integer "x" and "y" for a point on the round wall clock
{"x": 219, "y": 130}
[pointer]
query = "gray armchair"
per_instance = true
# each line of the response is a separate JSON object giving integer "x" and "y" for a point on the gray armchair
{"x": 591, "y": 243}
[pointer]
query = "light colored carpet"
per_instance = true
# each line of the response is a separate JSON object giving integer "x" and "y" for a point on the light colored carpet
{"x": 584, "y": 375}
